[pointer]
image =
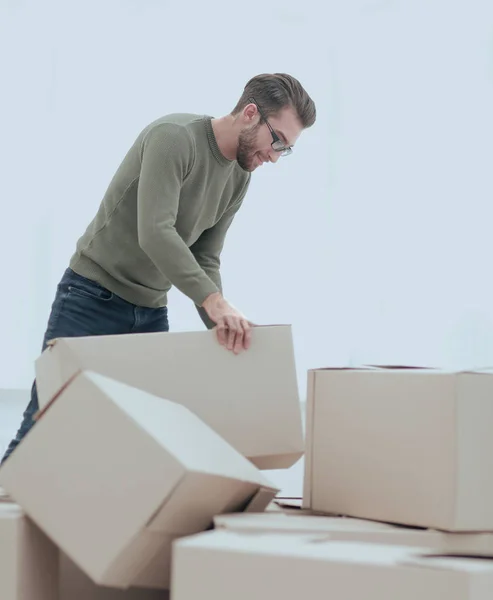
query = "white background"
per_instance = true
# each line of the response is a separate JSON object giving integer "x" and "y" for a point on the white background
{"x": 373, "y": 240}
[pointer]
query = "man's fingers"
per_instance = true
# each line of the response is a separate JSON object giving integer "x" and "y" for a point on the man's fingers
{"x": 231, "y": 339}
{"x": 231, "y": 334}
{"x": 221, "y": 332}
{"x": 240, "y": 337}
{"x": 234, "y": 332}
{"x": 247, "y": 337}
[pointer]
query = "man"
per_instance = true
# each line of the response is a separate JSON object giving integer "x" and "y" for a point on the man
{"x": 164, "y": 218}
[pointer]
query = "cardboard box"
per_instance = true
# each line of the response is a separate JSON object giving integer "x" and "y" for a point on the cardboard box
{"x": 403, "y": 445}
{"x": 76, "y": 585}
{"x": 28, "y": 559}
{"x": 251, "y": 400}
{"x": 358, "y": 530}
{"x": 113, "y": 475}
{"x": 240, "y": 566}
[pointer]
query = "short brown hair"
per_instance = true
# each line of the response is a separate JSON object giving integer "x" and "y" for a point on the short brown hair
{"x": 275, "y": 91}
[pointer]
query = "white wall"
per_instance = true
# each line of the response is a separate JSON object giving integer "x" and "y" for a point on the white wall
{"x": 373, "y": 240}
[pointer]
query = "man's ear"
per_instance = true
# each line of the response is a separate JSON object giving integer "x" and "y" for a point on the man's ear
{"x": 250, "y": 113}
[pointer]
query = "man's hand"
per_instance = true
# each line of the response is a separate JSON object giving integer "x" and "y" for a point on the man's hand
{"x": 234, "y": 331}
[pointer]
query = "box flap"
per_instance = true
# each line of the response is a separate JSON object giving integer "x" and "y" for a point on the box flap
{"x": 54, "y": 367}
{"x": 260, "y": 501}
{"x": 43, "y": 409}
{"x": 368, "y": 367}
{"x": 399, "y": 367}
{"x": 199, "y": 497}
{"x": 278, "y": 461}
{"x": 343, "y": 368}
{"x": 284, "y": 502}
{"x": 449, "y": 561}
{"x": 304, "y": 523}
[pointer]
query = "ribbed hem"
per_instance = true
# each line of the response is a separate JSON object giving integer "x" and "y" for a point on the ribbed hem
{"x": 218, "y": 155}
{"x": 136, "y": 295}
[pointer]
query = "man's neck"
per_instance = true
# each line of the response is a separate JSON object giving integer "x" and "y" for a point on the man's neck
{"x": 226, "y": 136}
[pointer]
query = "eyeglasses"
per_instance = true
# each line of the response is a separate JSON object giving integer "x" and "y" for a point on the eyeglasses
{"x": 277, "y": 144}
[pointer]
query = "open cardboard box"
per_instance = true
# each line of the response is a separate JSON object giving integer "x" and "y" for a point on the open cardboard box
{"x": 251, "y": 400}
{"x": 113, "y": 475}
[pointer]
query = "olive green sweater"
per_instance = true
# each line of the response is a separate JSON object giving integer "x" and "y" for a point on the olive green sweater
{"x": 165, "y": 214}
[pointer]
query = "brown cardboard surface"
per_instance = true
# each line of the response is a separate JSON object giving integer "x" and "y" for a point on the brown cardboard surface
{"x": 409, "y": 446}
{"x": 309, "y": 421}
{"x": 290, "y": 523}
{"x": 76, "y": 585}
{"x": 360, "y": 530}
{"x": 243, "y": 566}
{"x": 251, "y": 399}
{"x": 113, "y": 474}
{"x": 28, "y": 559}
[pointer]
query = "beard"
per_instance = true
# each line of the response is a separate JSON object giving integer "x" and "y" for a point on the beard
{"x": 245, "y": 153}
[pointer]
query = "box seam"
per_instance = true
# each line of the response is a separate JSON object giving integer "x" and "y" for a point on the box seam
{"x": 57, "y": 394}
{"x": 309, "y": 436}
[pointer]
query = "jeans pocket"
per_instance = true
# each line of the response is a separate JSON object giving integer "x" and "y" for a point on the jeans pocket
{"x": 90, "y": 290}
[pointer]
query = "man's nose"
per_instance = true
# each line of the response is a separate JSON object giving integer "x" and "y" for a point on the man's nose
{"x": 274, "y": 156}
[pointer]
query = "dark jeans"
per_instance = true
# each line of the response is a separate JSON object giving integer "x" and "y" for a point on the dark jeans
{"x": 83, "y": 307}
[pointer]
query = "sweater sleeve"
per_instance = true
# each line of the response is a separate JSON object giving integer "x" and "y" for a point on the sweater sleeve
{"x": 166, "y": 155}
{"x": 207, "y": 249}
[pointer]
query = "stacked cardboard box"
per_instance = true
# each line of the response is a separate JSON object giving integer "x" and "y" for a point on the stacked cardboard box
{"x": 404, "y": 445}
{"x": 226, "y": 564}
{"x": 404, "y": 457}
{"x": 32, "y": 568}
{"x": 142, "y": 440}
{"x": 28, "y": 559}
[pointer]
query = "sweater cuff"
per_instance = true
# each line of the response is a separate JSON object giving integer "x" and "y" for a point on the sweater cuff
{"x": 202, "y": 290}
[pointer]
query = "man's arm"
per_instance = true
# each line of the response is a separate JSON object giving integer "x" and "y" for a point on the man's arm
{"x": 207, "y": 251}
{"x": 167, "y": 156}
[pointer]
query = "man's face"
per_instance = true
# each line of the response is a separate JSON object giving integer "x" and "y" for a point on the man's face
{"x": 255, "y": 139}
